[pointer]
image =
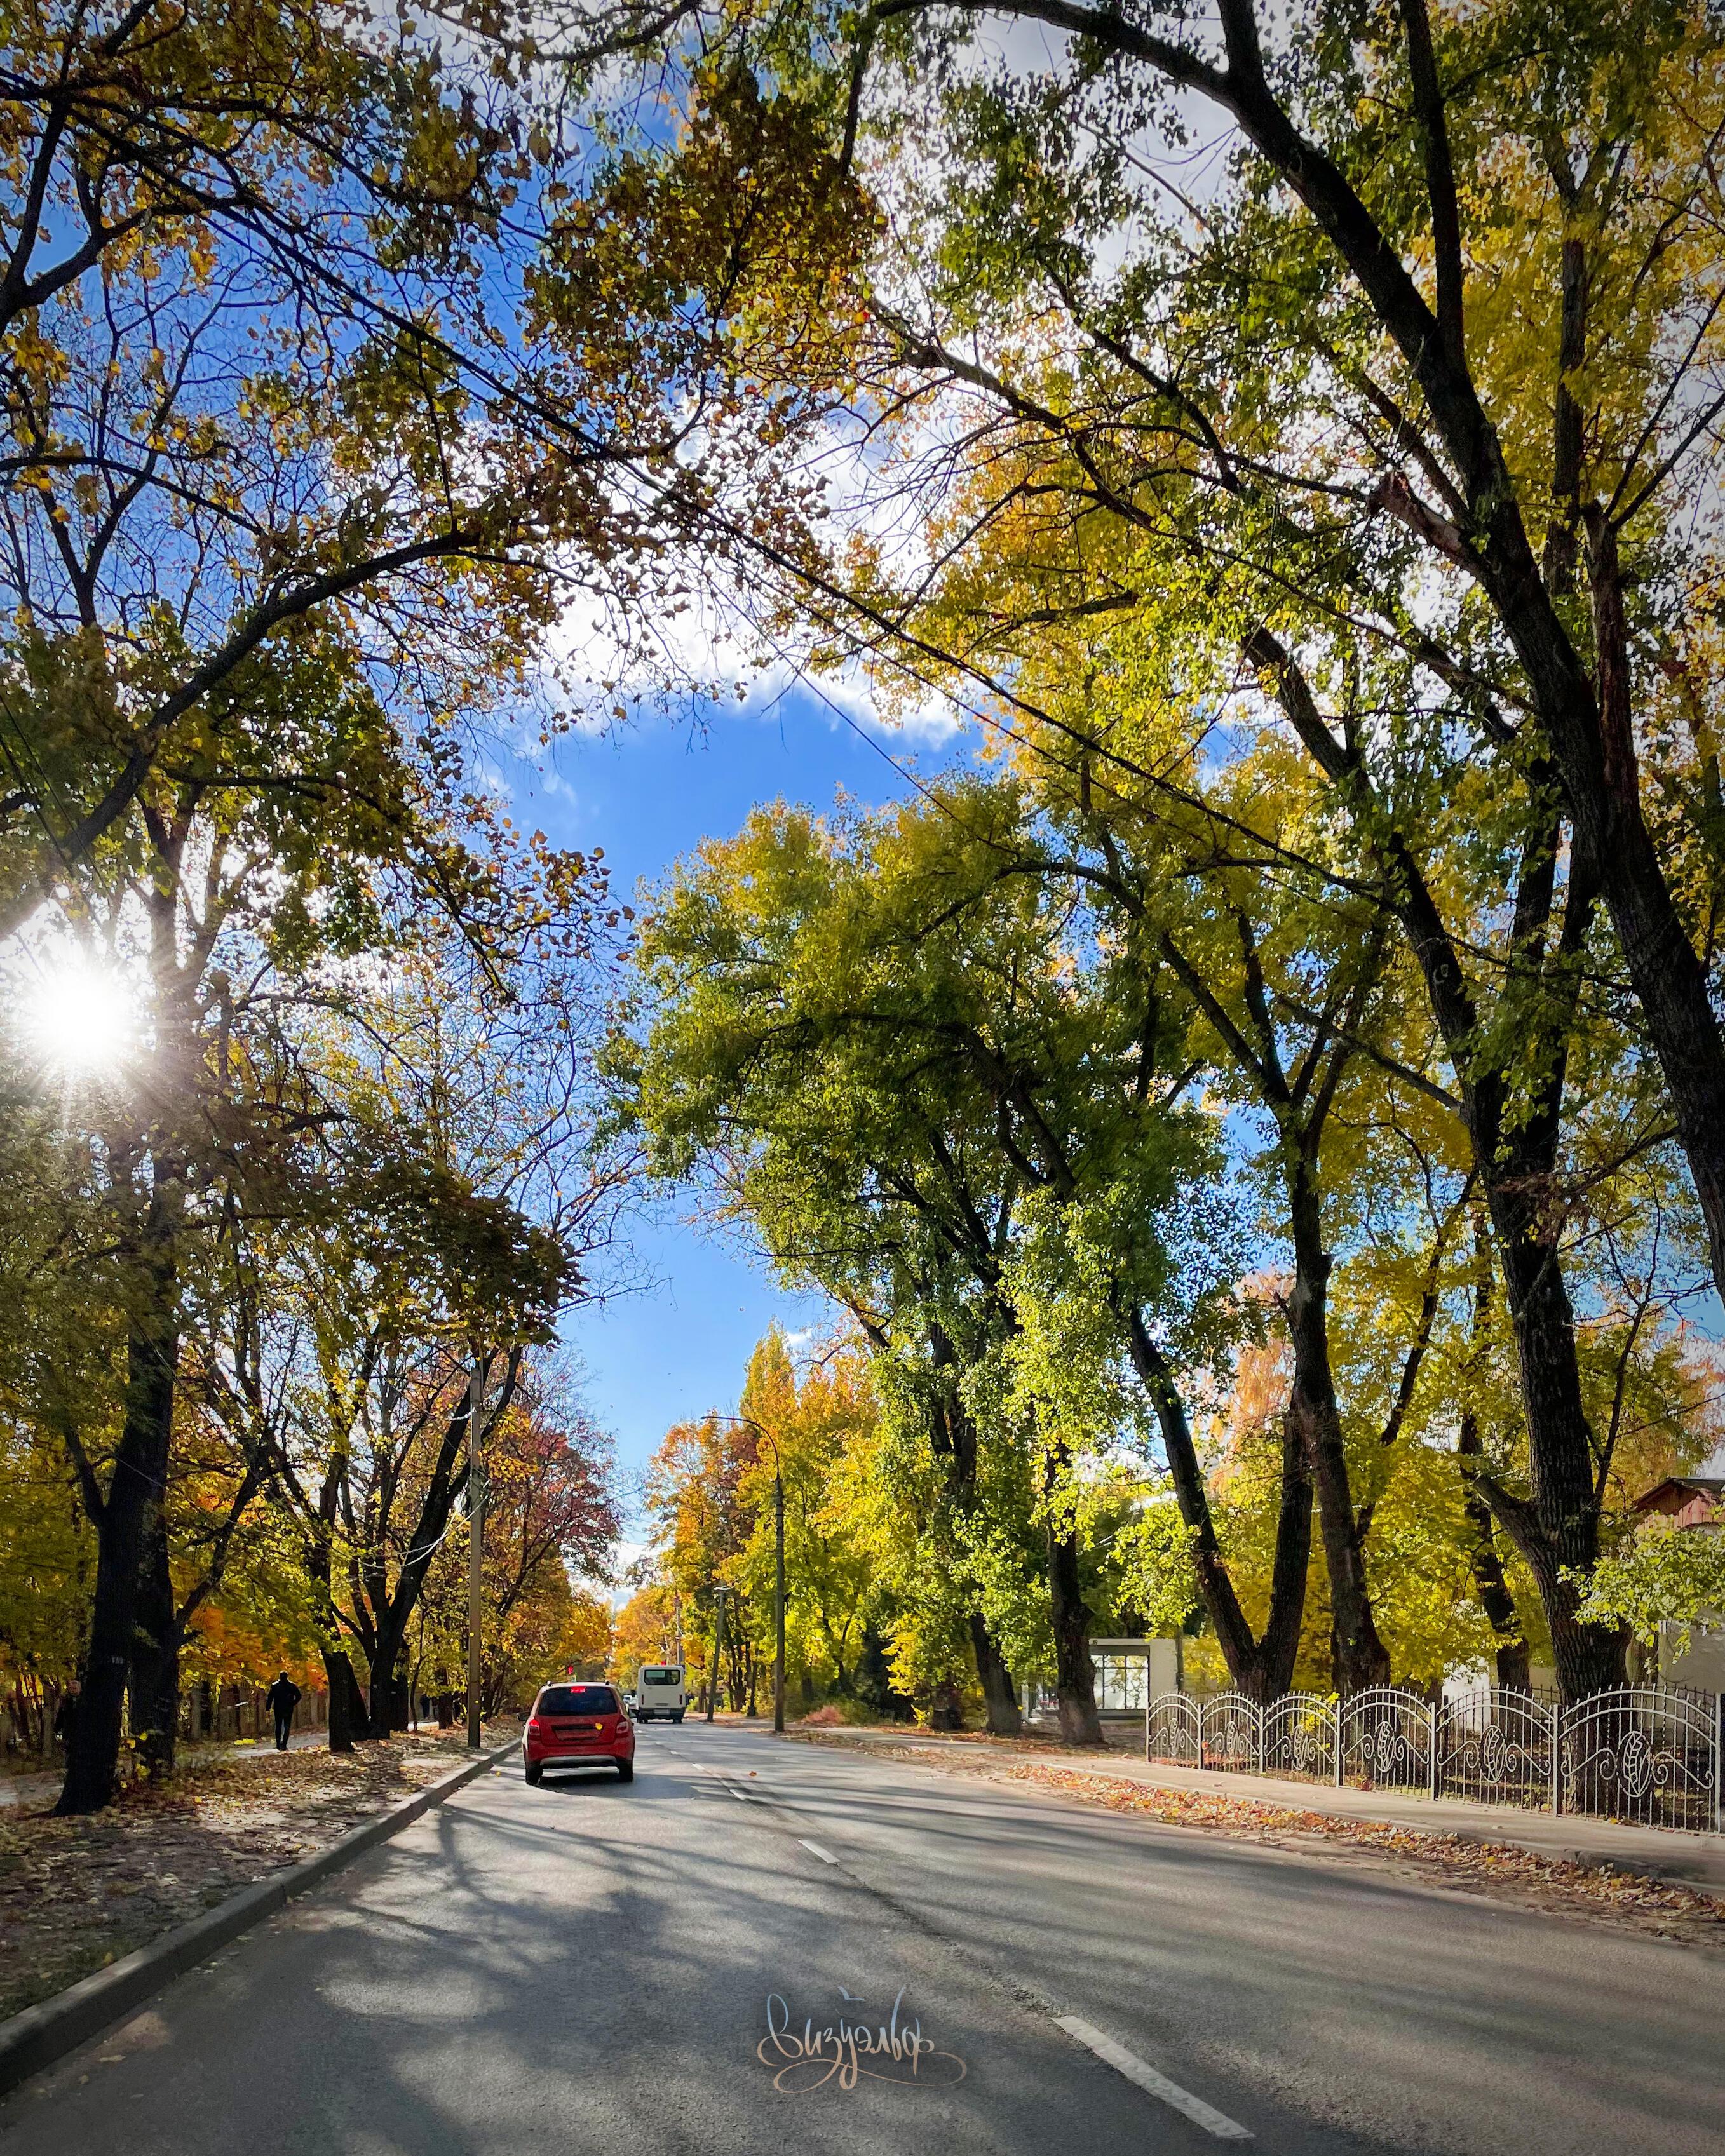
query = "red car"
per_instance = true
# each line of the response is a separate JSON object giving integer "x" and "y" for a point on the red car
{"x": 578, "y": 1725}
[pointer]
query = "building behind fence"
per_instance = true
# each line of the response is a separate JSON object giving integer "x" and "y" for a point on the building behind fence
{"x": 1649, "y": 1756}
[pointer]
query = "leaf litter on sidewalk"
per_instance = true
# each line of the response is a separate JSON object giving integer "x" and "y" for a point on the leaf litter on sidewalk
{"x": 76, "y": 1894}
{"x": 1503, "y": 1871}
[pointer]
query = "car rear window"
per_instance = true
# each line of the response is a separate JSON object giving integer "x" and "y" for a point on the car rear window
{"x": 661, "y": 1677}
{"x": 578, "y": 1699}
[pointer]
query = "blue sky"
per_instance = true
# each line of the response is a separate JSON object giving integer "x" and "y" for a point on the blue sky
{"x": 647, "y": 794}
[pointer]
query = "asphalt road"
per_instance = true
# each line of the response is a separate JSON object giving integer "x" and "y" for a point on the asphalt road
{"x": 588, "y": 1968}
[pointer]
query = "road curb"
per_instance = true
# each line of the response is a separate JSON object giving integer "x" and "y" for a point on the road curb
{"x": 1672, "y": 1860}
{"x": 40, "y": 2035}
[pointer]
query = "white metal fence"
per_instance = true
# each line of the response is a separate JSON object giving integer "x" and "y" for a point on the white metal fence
{"x": 1649, "y": 1756}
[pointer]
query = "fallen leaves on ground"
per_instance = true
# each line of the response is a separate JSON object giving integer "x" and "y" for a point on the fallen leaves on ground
{"x": 78, "y": 1893}
{"x": 1501, "y": 1871}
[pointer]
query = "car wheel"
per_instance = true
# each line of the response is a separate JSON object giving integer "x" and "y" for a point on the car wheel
{"x": 625, "y": 1770}
{"x": 677, "y": 1716}
{"x": 534, "y": 1775}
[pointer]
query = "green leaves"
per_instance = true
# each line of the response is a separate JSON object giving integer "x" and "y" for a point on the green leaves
{"x": 1664, "y": 1576}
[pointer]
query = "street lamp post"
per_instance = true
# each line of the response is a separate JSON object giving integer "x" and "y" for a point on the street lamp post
{"x": 778, "y": 1655}
{"x": 778, "y": 1584}
{"x": 476, "y": 1552}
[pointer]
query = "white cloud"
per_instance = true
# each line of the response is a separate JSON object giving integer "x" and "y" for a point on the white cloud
{"x": 703, "y": 649}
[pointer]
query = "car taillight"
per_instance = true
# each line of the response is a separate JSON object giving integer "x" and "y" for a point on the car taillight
{"x": 534, "y": 1723}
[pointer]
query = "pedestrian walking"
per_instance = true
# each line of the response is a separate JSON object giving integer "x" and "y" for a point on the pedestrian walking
{"x": 64, "y": 1712}
{"x": 283, "y": 1696}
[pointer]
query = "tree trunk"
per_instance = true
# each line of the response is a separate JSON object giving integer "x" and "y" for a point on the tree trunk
{"x": 135, "y": 1495}
{"x": 153, "y": 1678}
{"x": 1514, "y": 1670}
{"x": 348, "y": 1716}
{"x": 1588, "y": 720}
{"x": 392, "y": 1612}
{"x": 953, "y": 1434}
{"x": 1517, "y": 1157}
{"x": 1075, "y": 1673}
{"x": 388, "y": 1688}
{"x": 1262, "y": 1667}
{"x": 946, "y": 1710}
{"x": 1359, "y": 1658}
{"x": 1004, "y": 1719}
{"x": 1672, "y": 987}
{"x": 873, "y": 1679}
{"x": 1588, "y": 724}
{"x": 1588, "y": 1658}
{"x": 347, "y": 1706}
{"x": 1515, "y": 1144}
{"x": 1557, "y": 1528}
{"x": 1489, "y": 1584}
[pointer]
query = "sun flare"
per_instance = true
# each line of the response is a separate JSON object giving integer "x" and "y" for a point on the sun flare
{"x": 80, "y": 1019}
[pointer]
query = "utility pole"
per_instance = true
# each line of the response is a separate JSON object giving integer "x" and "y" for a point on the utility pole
{"x": 778, "y": 1645}
{"x": 712, "y": 1675}
{"x": 475, "y": 1551}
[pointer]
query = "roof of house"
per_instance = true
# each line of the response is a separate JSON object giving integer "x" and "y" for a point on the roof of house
{"x": 1680, "y": 1487}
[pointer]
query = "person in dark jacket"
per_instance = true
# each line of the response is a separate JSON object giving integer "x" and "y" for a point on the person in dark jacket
{"x": 64, "y": 1714}
{"x": 283, "y": 1696}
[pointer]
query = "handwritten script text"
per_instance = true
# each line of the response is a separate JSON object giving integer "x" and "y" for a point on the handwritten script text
{"x": 843, "y": 2052}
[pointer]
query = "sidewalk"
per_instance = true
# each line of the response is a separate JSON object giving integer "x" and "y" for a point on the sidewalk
{"x": 78, "y": 1893}
{"x": 1692, "y": 1860}
{"x": 29, "y": 1792}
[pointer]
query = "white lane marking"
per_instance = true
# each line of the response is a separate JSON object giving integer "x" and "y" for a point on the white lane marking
{"x": 1128, "y": 2063}
{"x": 814, "y": 1849}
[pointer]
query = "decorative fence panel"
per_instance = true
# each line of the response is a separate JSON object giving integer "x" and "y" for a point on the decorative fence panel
{"x": 1173, "y": 1729}
{"x": 1386, "y": 1739}
{"x": 1498, "y": 1747}
{"x": 1300, "y": 1737}
{"x": 1652, "y": 1756}
{"x": 1649, "y": 1756}
{"x": 1233, "y": 1734}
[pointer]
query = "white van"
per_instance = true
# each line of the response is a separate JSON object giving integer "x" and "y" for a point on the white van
{"x": 659, "y": 1692}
